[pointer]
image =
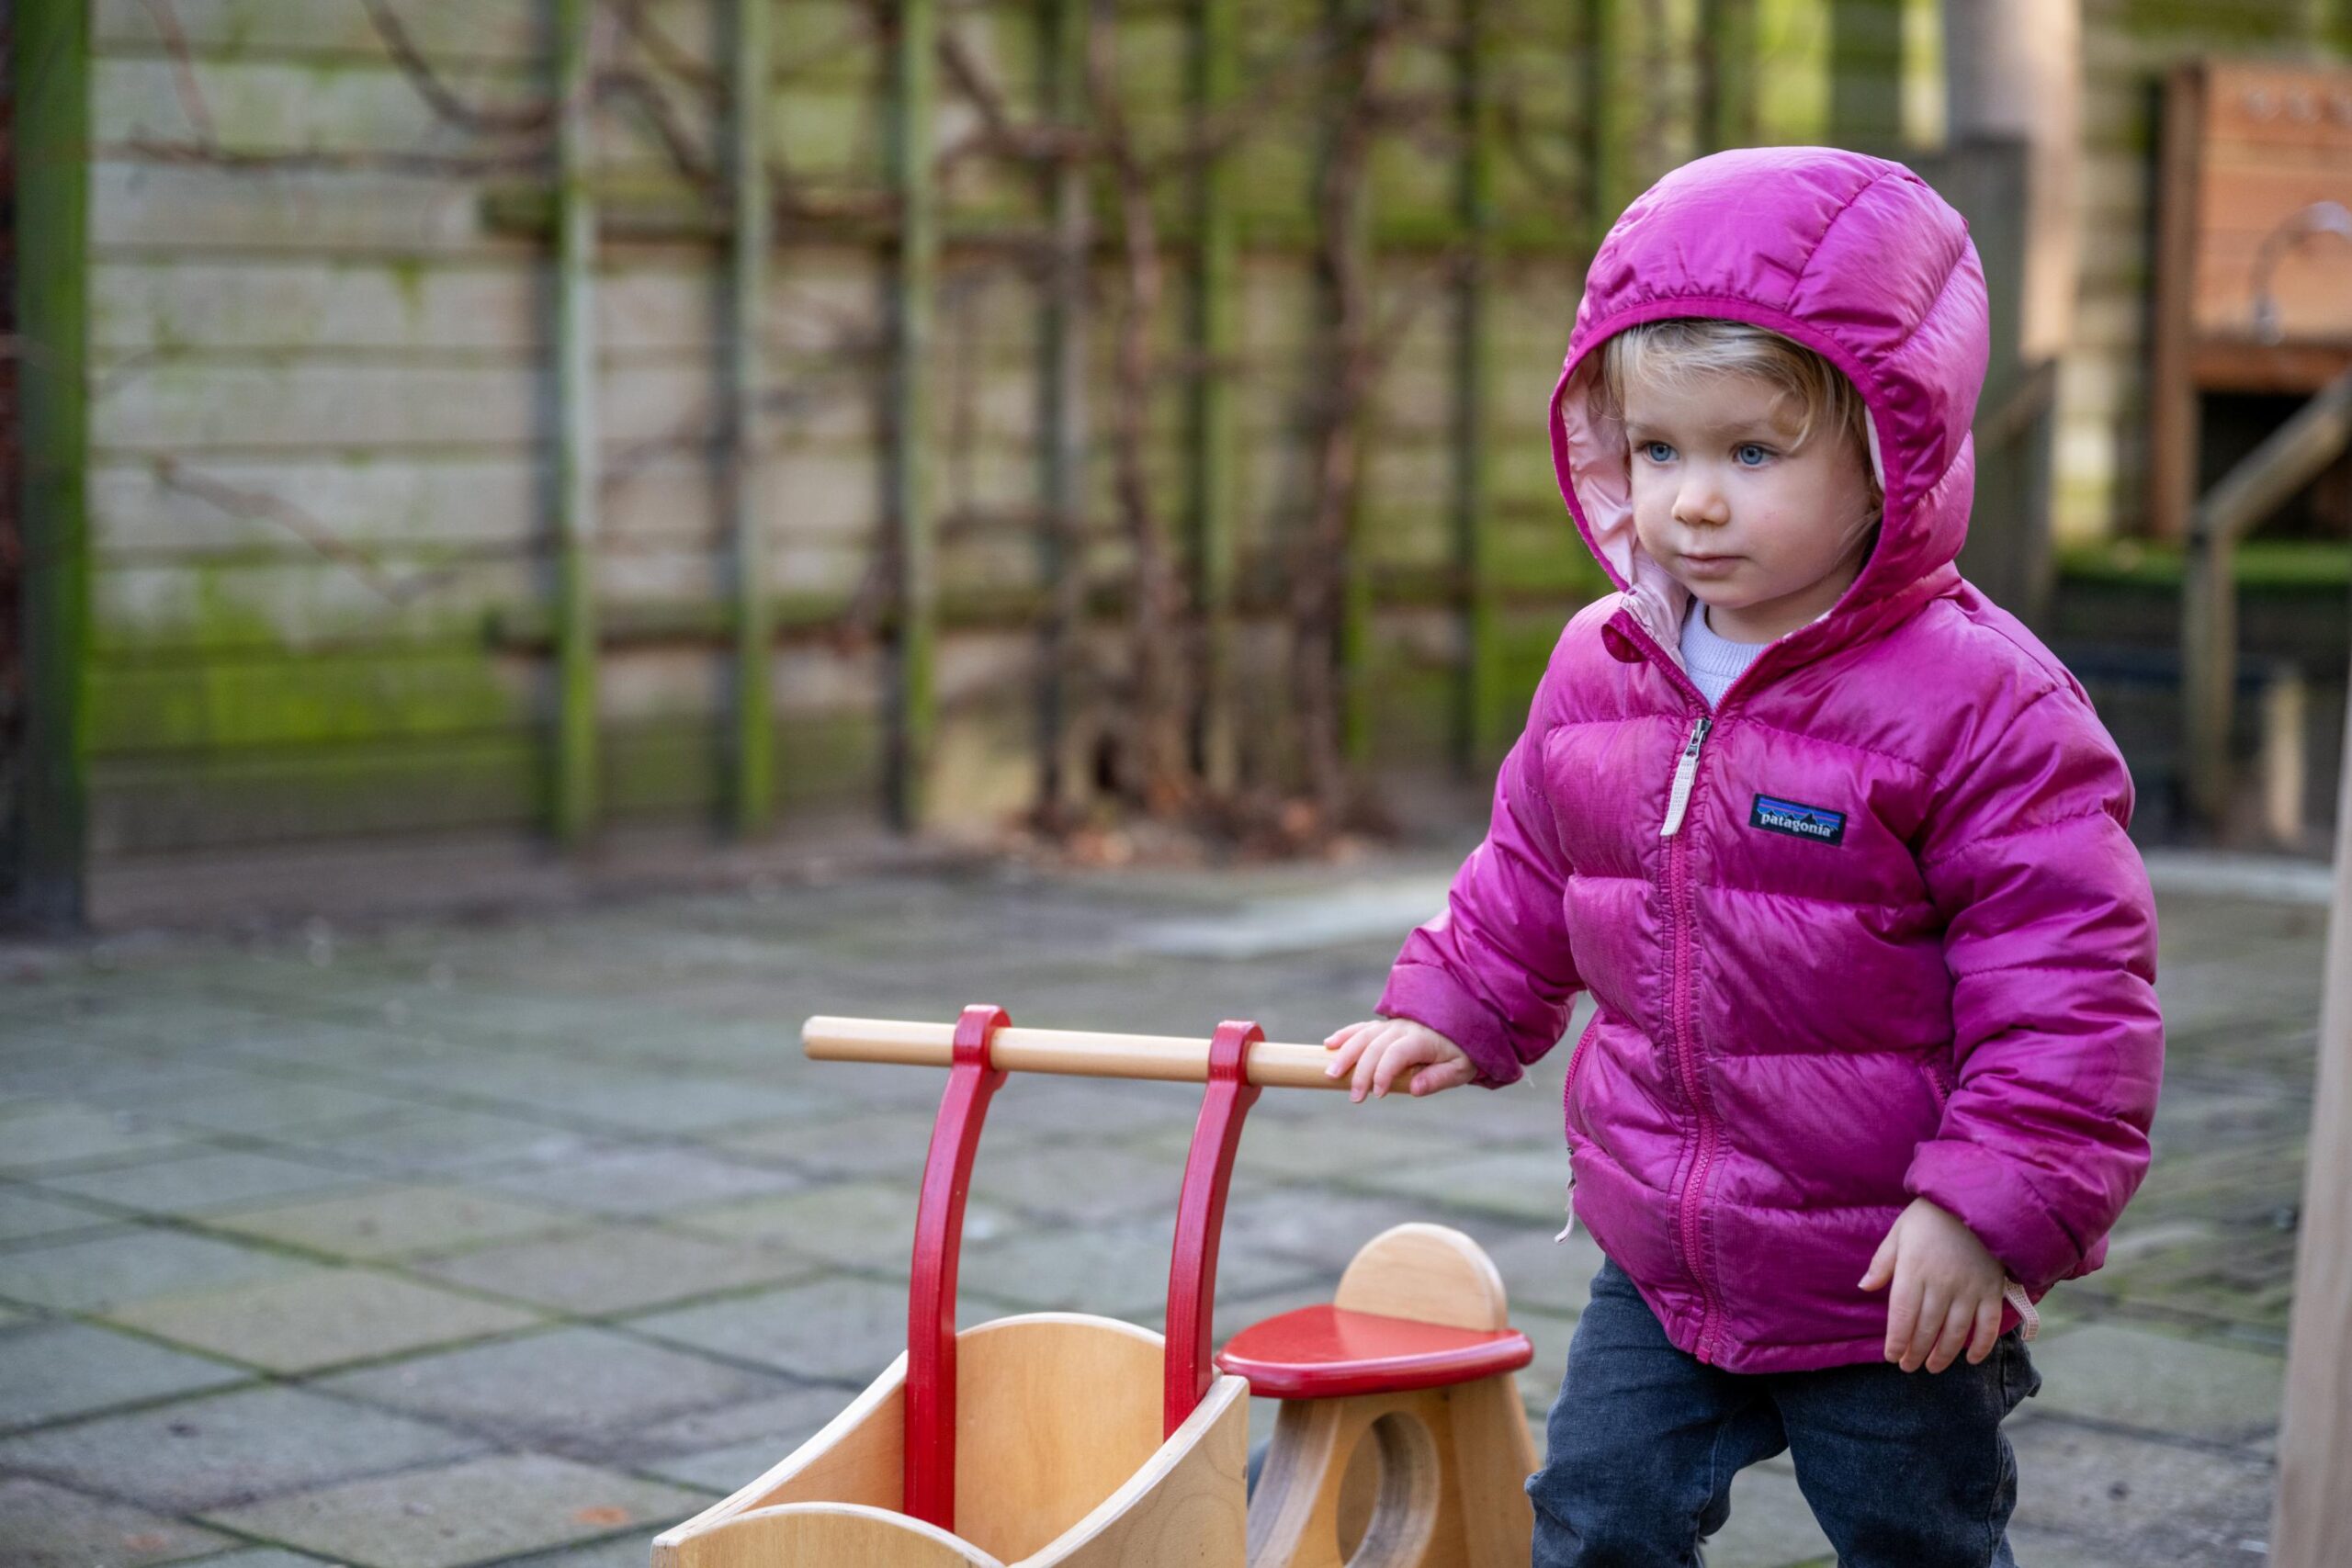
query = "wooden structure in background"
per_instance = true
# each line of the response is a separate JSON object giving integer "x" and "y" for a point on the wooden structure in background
{"x": 2253, "y": 295}
{"x": 49, "y": 61}
{"x": 2245, "y": 146}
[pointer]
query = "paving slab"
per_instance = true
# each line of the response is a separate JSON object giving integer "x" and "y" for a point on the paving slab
{"x": 839, "y": 1329}
{"x": 857, "y": 1224}
{"x": 1530, "y": 1184}
{"x": 888, "y": 1145}
{"x": 223, "y": 1178}
{"x": 438, "y": 1144}
{"x": 2040, "y": 1548}
{"x": 396, "y": 1221}
{"x": 47, "y": 1134}
{"x": 2143, "y": 1502}
{"x": 632, "y": 1549}
{"x": 28, "y": 1215}
{"x": 645, "y": 1105}
{"x": 220, "y": 1449}
{"x": 43, "y": 1525}
{"x": 477, "y": 1511}
{"x": 1331, "y": 1148}
{"x": 1771, "y": 1525}
{"x": 1319, "y": 1227}
{"x": 1076, "y": 1181}
{"x": 128, "y": 1265}
{"x": 578, "y": 1389}
{"x": 271, "y": 1105}
{"x": 614, "y": 1268}
{"x": 54, "y": 1370}
{"x": 639, "y": 1181}
{"x": 1540, "y": 1269}
{"x": 724, "y": 1447}
{"x": 324, "y": 1317}
{"x": 1070, "y": 1108}
{"x": 2159, "y": 1382}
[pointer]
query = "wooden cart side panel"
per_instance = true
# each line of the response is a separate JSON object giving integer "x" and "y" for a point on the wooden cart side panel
{"x": 1058, "y": 1412}
{"x": 1186, "y": 1508}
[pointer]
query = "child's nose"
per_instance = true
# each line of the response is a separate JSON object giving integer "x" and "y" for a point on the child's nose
{"x": 1700, "y": 506}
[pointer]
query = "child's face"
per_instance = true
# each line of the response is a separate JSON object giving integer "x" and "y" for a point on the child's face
{"x": 1765, "y": 532}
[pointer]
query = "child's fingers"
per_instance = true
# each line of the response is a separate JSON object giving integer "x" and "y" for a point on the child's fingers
{"x": 1988, "y": 1330}
{"x": 1344, "y": 1042}
{"x": 1401, "y": 1054}
{"x": 1345, "y": 1047}
{"x": 1376, "y": 1046}
{"x": 1925, "y": 1324}
{"x": 1902, "y": 1315}
{"x": 1959, "y": 1318}
{"x": 1882, "y": 1267}
{"x": 1450, "y": 1074}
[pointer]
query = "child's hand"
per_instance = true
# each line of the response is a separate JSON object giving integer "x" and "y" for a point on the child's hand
{"x": 1947, "y": 1290}
{"x": 1380, "y": 1049}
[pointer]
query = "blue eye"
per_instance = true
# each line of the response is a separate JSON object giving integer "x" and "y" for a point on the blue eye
{"x": 1658, "y": 451}
{"x": 1751, "y": 456}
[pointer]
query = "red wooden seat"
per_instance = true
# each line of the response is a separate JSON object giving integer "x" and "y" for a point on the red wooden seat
{"x": 1327, "y": 1352}
{"x": 1401, "y": 1439}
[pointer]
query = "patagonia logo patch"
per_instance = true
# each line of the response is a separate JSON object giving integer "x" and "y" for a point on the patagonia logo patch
{"x": 1818, "y": 823}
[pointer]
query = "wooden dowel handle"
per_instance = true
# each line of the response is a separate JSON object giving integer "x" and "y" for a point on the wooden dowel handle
{"x": 1171, "y": 1058}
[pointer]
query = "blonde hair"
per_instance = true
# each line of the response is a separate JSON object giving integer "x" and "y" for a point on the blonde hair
{"x": 1689, "y": 348}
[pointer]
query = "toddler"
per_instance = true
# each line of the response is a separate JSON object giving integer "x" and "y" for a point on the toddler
{"x": 1839, "y": 849}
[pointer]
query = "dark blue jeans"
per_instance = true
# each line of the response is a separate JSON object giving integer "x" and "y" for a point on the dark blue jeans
{"x": 1904, "y": 1470}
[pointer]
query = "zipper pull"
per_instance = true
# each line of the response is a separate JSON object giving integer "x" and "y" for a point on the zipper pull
{"x": 1685, "y": 771}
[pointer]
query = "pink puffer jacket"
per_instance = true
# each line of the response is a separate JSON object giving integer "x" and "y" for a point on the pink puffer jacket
{"x": 1872, "y": 929}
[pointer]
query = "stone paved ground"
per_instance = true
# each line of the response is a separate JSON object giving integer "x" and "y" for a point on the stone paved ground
{"x": 511, "y": 1241}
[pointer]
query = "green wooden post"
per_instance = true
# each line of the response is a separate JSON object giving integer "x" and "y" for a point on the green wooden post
{"x": 1216, "y": 337}
{"x": 1728, "y": 73}
{"x": 1477, "y": 697}
{"x": 1062, "y": 42}
{"x": 912, "y": 93}
{"x": 1866, "y": 74}
{"x": 747, "y": 287}
{"x": 50, "y": 66}
{"x": 1608, "y": 142}
{"x": 1348, "y": 25}
{"x": 576, "y": 459}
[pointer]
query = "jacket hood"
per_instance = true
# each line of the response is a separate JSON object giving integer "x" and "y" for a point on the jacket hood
{"x": 1856, "y": 259}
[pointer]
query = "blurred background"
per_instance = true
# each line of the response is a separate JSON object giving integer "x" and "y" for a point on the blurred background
{"x": 680, "y": 434}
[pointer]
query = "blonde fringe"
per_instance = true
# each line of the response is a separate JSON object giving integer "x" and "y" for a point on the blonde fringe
{"x": 1683, "y": 349}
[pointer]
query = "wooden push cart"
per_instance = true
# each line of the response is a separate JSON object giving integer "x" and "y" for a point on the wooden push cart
{"x": 1079, "y": 1442}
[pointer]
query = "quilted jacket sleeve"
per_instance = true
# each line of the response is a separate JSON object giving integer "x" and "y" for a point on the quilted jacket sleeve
{"x": 1493, "y": 973}
{"x": 2058, "y": 1046}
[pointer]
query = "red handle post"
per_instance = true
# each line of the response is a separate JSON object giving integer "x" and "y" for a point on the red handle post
{"x": 929, "y": 1473}
{"x": 1200, "y": 1219}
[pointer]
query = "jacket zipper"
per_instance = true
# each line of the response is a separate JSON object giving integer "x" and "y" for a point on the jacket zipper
{"x": 1680, "y": 910}
{"x": 1686, "y": 773}
{"x": 1680, "y": 915}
